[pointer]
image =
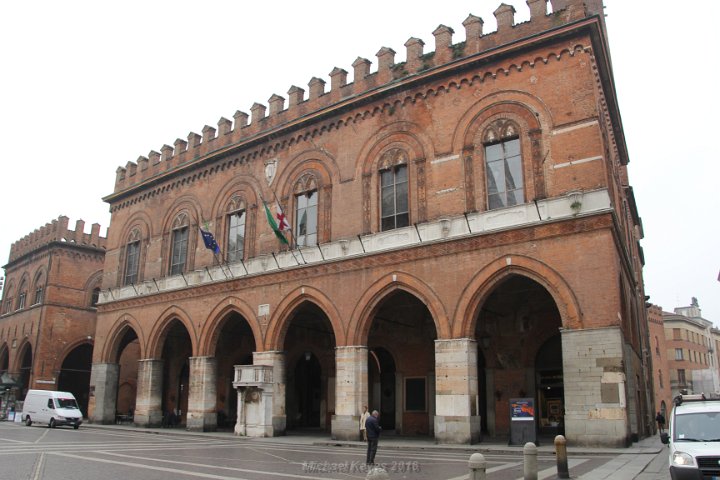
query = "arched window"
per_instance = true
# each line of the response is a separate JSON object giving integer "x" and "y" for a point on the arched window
{"x": 22, "y": 295}
{"x": 179, "y": 250}
{"x": 660, "y": 377}
{"x": 503, "y": 165}
{"x": 236, "y": 216}
{"x": 394, "y": 203}
{"x": 9, "y": 299}
{"x": 132, "y": 258}
{"x": 306, "y": 211}
{"x": 39, "y": 286}
{"x": 95, "y": 297}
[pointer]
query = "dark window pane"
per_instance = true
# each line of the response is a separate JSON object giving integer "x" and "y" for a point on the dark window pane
{"x": 402, "y": 198}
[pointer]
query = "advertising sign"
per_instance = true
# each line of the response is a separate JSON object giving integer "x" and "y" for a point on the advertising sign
{"x": 522, "y": 409}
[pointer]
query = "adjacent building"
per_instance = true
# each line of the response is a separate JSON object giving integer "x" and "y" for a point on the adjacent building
{"x": 461, "y": 232}
{"x": 692, "y": 343}
{"x": 48, "y": 310}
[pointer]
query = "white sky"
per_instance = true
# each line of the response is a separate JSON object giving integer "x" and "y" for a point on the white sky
{"x": 87, "y": 86}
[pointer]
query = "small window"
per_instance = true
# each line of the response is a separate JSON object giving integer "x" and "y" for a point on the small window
{"x": 660, "y": 377}
{"x": 50, "y": 403}
{"x": 678, "y": 354}
{"x": 676, "y": 334}
{"x": 681, "y": 376}
{"x": 503, "y": 170}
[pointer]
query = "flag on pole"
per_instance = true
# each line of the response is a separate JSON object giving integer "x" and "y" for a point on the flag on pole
{"x": 274, "y": 224}
{"x": 282, "y": 222}
{"x": 209, "y": 241}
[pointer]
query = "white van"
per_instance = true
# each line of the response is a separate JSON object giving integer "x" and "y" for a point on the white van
{"x": 694, "y": 438}
{"x": 53, "y": 408}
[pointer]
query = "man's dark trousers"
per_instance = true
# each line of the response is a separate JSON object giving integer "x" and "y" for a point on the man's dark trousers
{"x": 372, "y": 450}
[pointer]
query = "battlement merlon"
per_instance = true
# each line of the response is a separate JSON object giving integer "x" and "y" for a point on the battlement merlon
{"x": 264, "y": 119}
{"x": 57, "y": 231}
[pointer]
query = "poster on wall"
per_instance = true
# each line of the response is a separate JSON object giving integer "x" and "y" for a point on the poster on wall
{"x": 522, "y": 409}
{"x": 522, "y": 421}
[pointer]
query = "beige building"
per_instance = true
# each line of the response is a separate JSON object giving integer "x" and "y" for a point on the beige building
{"x": 692, "y": 343}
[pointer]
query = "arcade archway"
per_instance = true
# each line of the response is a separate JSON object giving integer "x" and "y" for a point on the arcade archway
{"x": 235, "y": 345}
{"x": 310, "y": 369}
{"x": 127, "y": 359}
{"x": 517, "y": 332}
{"x": 176, "y": 351}
{"x": 74, "y": 375}
{"x": 401, "y": 364}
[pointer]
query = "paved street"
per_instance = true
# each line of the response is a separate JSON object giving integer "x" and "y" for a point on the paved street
{"x": 40, "y": 453}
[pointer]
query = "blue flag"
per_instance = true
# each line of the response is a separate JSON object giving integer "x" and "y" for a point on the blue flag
{"x": 210, "y": 242}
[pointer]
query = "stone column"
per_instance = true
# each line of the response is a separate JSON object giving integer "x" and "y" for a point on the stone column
{"x": 277, "y": 361}
{"x": 595, "y": 387}
{"x": 456, "y": 416}
{"x": 103, "y": 392}
{"x": 202, "y": 397}
{"x": 351, "y": 391}
{"x": 148, "y": 406}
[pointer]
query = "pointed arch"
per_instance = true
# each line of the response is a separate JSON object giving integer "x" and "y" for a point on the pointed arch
{"x": 483, "y": 283}
{"x": 368, "y": 304}
{"x": 161, "y": 327}
{"x": 280, "y": 321}
{"x": 213, "y": 325}
{"x": 116, "y": 334}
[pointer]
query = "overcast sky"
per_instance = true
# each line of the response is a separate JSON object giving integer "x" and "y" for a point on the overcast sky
{"x": 88, "y": 86}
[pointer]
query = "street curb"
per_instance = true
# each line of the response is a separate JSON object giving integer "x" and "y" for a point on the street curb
{"x": 389, "y": 445}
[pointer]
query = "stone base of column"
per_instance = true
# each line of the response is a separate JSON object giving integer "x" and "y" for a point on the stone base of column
{"x": 457, "y": 430}
{"x": 345, "y": 427}
{"x": 279, "y": 423}
{"x": 201, "y": 422}
{"x": 150, "y": 420}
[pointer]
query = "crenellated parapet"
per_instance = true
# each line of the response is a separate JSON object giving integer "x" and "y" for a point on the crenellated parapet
{"x": 246, "y": 127}
{"x": 57, "y": 231}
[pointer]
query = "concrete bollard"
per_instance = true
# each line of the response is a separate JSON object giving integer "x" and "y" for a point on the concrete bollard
{"x": 377, "y": 473}
{"x": 530, "y": 461}
{"x": 561, "y": 457}
{"x": 477, "y": 465}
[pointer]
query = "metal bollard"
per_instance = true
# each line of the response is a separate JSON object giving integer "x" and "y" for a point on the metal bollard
{"x": 530, "y": 461}
{"x": 561, "y": 457}
{"x": 477, "y": 465}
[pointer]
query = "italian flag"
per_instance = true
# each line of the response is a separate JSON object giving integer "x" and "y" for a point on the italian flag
{"x": 279, "y": 225}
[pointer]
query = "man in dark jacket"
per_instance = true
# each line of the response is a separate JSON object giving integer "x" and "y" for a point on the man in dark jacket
{"x": 373, "y": 429}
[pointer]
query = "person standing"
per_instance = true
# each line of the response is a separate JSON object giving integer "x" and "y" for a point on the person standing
{"x": 660, "y": 419}
{"x": 363, "y": 419}
{"x": 373, "y": 430}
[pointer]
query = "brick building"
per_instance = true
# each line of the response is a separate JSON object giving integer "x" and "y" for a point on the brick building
{"x": 48, "y": 313}
{"x": 660, "y": 366}
{"x": 463, "y": 233}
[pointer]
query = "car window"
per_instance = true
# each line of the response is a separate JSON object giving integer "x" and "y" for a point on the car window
{"x": 701, "y": 426}
{"x": 50, "y": 403}
{"x": 67, "y": 403}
